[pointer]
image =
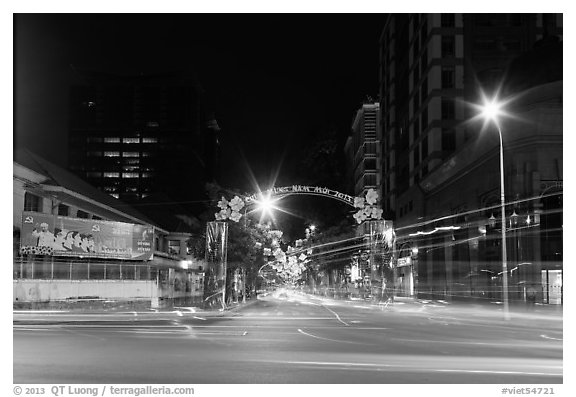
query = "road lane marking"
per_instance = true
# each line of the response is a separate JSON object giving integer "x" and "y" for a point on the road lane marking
{"x": 199, "y": 318}
{"x": 549, "y": 337}
{"x": 337, "y": 316}
{"x": 310, "y": 303}
{"x": 328, "y": 339}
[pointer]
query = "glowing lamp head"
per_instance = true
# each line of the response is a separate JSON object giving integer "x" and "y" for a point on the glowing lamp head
{"x": 265, "y": 204}
{"x": 491, "y": 110}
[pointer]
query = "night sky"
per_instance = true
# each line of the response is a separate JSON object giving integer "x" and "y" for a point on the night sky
{"x": 275, "y": 81}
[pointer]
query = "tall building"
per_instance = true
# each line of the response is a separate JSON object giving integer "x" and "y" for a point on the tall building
{"x": 362, "y": 149}
{"x": 134, "y": 136}
{"x": 440, "y": 172}
{"x": 431, "y": 66}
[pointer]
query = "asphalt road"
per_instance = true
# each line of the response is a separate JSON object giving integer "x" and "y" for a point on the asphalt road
{"x": 293, "y": 339}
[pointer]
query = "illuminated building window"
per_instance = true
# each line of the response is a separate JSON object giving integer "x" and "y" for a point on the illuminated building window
{"x": 129, "y": 175}
{"x": 111, "y": 175}
{"x": 149, "y": 140}
{"x": 131, "y": 154}
{"x": 111, "y": 154}
{"x": 109, "y": 189}
{"x": 147, "y": 175}
{"x": 111, "y": 140}
{"x": 132, "y": 161}
{"x": 131, "y": 140}
{"x": 146, "y": 154}
{"x": 130, "y": 168}
{"x": 152, "y": 124}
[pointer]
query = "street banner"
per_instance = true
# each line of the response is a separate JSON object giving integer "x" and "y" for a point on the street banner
{"x": 216, "y": 261}
{"x": 45, "y": 234}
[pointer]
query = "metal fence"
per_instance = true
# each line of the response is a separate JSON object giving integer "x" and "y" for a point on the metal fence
{"x": 50, "y": 268}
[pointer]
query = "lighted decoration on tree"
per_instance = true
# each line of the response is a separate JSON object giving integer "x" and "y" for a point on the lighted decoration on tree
{"x": 288, "y": 265}
{"x": 279, "y": 255}
{"x": 367, "y": 208}
{"x": 230, "y": 209}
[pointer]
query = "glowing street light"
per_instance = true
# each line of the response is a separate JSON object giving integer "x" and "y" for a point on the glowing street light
{"x": 490, "y": 112}
{"x": 310, "y": 230}
{"x": 265, "y": 205}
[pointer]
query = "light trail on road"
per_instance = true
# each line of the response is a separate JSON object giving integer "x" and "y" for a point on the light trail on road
{"x": 291, "y": 341}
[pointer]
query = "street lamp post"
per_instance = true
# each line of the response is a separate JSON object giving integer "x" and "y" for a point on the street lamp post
{"x": 491, "y": 110}
{"x": 503, "y": 211}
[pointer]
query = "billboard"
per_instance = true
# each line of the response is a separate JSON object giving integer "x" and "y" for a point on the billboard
{"x": 46, "y": 234}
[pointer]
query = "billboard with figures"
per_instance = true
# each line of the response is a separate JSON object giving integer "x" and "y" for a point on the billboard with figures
{"x": 45, "y": 234}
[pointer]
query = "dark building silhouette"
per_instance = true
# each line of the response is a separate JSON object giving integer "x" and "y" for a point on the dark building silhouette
{"x": 136, "y": 135}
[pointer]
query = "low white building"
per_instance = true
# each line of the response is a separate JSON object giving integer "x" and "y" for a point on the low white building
{"x": 154, "y": 268}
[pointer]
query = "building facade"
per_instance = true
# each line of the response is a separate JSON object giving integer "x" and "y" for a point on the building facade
{"x": 431, "y": 65}
{"x": 133, "y": 136}
{"x": 363, "y": 151}
{"x": 440, "y": 172}
{"x": 130, "y": 259}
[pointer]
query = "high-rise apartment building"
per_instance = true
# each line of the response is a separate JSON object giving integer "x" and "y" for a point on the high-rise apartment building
{"x": 440, "y": 170}
{"x": 431, "y": 66}
{"x": 362, "y": 149}
{"x": 133, "y": 136}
